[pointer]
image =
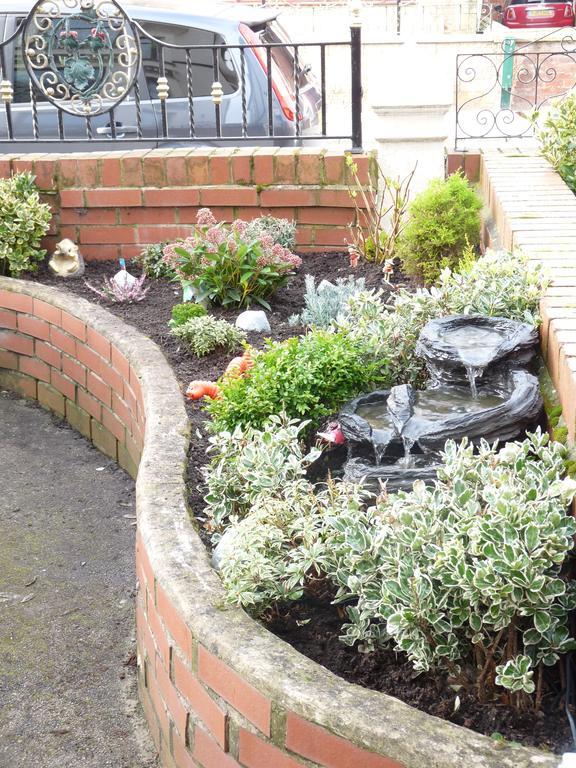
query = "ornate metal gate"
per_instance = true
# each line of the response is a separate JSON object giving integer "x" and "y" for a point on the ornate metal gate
{"x": 497, "y": 91}
{"x": 80, "y": 70}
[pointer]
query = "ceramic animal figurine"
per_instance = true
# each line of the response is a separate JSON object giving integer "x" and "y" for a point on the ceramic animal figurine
{"x": 66, "y": 260}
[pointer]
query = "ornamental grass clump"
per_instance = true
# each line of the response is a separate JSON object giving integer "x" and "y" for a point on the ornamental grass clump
{"x": 24, "y": 221}
{"x": 202, "y": 335}
{"x": 444, "y": 219}
{"x": 466, "y": 576}
{"x": 226, "y": 266}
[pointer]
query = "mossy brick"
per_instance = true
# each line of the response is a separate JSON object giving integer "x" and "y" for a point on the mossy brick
{"x": 127, "y": 462}
{"x": 19, "y": 383}
{"x": 50, "y": 398}
{"x": 78, "y": 418}
{"x": 104, "y": 440}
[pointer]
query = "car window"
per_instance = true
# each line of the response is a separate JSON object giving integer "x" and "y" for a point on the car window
{"x": 175, "y": 60}
{"x": 20, "y": 77}
{"x": 282, "y": 57}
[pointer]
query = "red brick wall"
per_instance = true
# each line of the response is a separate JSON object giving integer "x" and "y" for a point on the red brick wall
{"x": 49, "y": 355}
{"x": 114, "y": 204}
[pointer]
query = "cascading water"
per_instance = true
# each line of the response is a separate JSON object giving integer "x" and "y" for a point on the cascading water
{"x": 479, "y": 388}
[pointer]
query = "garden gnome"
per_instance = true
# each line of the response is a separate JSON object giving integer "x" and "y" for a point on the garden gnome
{"x": 66, "y": 260}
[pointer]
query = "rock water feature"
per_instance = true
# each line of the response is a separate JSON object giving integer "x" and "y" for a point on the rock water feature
{"x": 479, "y": 388}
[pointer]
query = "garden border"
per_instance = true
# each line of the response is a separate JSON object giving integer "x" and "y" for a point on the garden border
{"x": 538, "y": 218}
{"x": 218, "y": 690}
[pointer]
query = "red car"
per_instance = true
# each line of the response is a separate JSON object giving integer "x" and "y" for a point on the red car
{"x": 520, "y": 14}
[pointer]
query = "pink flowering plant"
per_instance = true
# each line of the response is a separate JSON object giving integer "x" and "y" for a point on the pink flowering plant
{"x": 224, "y": 265}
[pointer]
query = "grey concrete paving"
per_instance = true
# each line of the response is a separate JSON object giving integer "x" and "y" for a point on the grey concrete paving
{"x": 67, "y": 687}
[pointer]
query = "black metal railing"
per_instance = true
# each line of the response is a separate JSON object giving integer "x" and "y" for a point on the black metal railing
{"x": 498, "y": 92}
{"x": 259, "y": 91}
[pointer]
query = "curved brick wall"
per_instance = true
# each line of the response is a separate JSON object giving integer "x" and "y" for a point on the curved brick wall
{"x": 219, "y": 691}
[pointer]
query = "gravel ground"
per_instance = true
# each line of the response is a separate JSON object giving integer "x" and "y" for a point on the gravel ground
{"x": 67, "y": 677}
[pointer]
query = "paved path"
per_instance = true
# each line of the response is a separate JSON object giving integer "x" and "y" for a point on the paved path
{"x": 67, "y": 696}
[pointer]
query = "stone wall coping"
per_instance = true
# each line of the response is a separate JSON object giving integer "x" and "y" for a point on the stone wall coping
{"x": 369, "y": 719}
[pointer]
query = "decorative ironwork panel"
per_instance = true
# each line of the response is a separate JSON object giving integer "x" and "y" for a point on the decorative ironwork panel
{"x": 497, "y": 93}
{"x": 82, "y": 55}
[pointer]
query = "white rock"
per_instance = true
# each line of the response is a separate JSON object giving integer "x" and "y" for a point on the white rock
{"x": 325, "y": 284}
{"x": 253, "y": 320}
{"x": 224, "y": 548}
{"x": 124, "y": 278}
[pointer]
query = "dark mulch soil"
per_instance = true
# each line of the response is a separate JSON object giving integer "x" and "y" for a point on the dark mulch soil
{"x": 314, "y": 629}
{"x": 152, "y": 315}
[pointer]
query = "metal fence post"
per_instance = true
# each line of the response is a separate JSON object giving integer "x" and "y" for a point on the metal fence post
{"x": 356, "y": 72}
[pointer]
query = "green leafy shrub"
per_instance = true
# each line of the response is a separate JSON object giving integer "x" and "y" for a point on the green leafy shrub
{"x": 557, "y": 137}
{"x": 466, "y": 575}
{"x": 247, "y": 462}
{"x": 24, "y": 221}
{"x": 181, "y": 313}
{"x": 222, "y": 265}
{"x": 282, "y": 231}
{"x": 151, "y": 260}
{"x": 203, "y": 335}
{"x": 307, "y": 378}
{"x": 444, "y": 219}
{"x": 323, "y": 304}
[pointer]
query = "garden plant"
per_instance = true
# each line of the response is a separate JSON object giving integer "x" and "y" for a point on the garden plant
{"x": 226, "y": 266}
{"x": 380, "y": 206}
{"x": 24, "y": 220}
{"x": 556, "y": 136}
{"x": 443, "y": 220}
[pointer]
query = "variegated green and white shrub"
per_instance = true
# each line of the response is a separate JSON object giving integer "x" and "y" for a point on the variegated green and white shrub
{"x": 275, "y": 551}
{"x": 465, "y": 575}
{"x": 247, "y": 463}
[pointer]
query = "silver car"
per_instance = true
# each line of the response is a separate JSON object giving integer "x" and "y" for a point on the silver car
{"x": 268, "y": 95}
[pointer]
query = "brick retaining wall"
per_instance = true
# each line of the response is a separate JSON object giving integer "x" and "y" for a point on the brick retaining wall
{"x": 113, "y": 204}
{"x": 218, "y": 690}
{"x": 531, "y": 209}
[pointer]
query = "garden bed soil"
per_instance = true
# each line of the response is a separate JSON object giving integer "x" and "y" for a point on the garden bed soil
{"x": 151, "y": 317}
{"x": 314, "y": 630}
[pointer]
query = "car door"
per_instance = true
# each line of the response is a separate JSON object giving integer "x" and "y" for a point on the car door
{"x": 189, "y": 107}
{"x": 40, "y": 126}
